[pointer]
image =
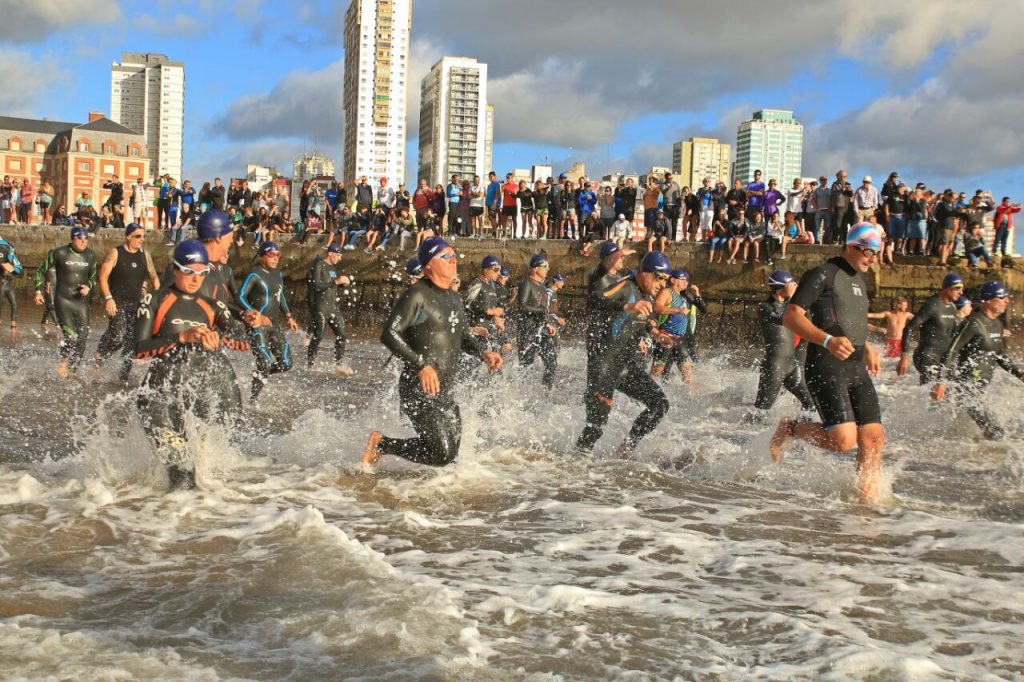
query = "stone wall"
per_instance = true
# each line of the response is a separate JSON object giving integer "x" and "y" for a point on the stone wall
{"x": 732, "y": 291}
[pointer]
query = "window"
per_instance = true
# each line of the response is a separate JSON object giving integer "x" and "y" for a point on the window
{"x": 15, "y": 145}
{"x": 83, "y": 146}
{"x": 40, "y": 147}
{"x": 84, "y": 167}
{"x": 109, "y": 149}
{"x": 134, "y": 151}
{"x": 14, "y": 165}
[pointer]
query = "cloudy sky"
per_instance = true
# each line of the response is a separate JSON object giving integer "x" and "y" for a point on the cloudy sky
{"x": 933, "y": 88}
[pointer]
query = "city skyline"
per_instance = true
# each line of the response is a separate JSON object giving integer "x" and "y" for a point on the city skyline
{"x": 884, "y": 94}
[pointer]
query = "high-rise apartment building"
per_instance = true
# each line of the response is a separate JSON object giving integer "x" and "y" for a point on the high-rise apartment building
{"x": 772, "y": 141}
{"x": 309, "y": 167}
{"x": 699, "y": 158}
{"x": 375, "y": 100}
{"x": 147, "y": 95}
{"x": 453, "y": 120}
{"x": 489, "y": 139}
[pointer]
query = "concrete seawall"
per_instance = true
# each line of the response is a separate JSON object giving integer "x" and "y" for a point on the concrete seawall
{"x": 732, "y": 290}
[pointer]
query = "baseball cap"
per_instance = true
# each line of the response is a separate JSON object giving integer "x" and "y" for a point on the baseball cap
{"x": 952, "y": 280}
{"x": 867, "y": 178}
{"x": 864, "y": 235}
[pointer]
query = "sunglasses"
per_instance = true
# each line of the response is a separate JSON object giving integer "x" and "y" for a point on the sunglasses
{"x": 866, "y": 252}
{"x": 192, "y": 271}
{"x": 661, "y": 276}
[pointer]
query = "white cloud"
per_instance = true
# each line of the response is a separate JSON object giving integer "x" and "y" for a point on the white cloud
{"x": 32, "y": 21}
{"x": 277, "y": 154}
{"x": 177, "y": 25}
{"x": 24, "y": 81}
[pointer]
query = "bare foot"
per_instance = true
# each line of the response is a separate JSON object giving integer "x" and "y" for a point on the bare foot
{"x": 869, "y": 483}
{"x": 625, "y": 451}
{"x": 371, "y": 455}
{"x": 62, "y": 369}
{"x": 344, "y": 370}
{"x": 782, "y": 433}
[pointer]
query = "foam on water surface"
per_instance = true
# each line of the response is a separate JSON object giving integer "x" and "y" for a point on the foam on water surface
{"x": 697, "y": 558}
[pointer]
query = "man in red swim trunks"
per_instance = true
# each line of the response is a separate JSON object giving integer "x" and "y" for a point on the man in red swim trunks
{"x": 895, "y": 320}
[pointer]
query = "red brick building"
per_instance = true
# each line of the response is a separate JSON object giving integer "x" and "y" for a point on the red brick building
{"x": 74, "y": 157}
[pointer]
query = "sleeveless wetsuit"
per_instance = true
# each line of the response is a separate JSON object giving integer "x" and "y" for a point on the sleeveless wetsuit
{"x": 125, "y": 283}
{"x": 835, "y": 297}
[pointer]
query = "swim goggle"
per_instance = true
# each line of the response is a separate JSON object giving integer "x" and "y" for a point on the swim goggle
{"x": 188, "y": 270}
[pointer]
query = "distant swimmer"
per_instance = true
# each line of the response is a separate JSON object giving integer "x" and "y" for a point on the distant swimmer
{"x": 262, "y": 292}
{"x": 182, "y": 332}
{"x": 536, "y": 330}
{"x": 482, "y": 305}
{"x": 122, "y": 276}
{"x": 73, "y": 272}
{"x": 896, "y": 319}
{"x": 936, "y": 321}
{"x": 428, "y": 330}
{"x": 784, "y": 353}
{"x": 977, "y": 350}
{"x": 323, "y": 295}
{"x": 830, "y": 310}
{"x": 10, "y": 267}
{"x": 616, "y": 361}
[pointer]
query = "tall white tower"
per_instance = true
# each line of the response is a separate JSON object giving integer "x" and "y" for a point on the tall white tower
{"x": 147, "y": 94}
{"x": 772, "y": 142}
{"x": 453, "y": 121}
{"x": 375, "y": 99}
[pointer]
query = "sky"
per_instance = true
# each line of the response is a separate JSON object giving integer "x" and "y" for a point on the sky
{"x": 931, "y": 88}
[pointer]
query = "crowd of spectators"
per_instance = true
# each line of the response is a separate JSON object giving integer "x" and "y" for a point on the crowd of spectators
{"x": 748, "y": 222}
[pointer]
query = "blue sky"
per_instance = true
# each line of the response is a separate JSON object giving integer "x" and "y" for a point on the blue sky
{"x": 932, "y": 89}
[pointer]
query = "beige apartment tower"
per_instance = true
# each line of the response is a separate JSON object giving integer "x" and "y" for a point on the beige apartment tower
{"x": 699, "y": 158}
{"x": 453, "y": 121}
{"x": 375, "y": 97}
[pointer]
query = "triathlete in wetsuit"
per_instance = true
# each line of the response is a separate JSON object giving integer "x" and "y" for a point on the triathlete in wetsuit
{"x": 427, "y": 329}
{"x": 504, "y": 296}
{"x": 533, "y": 322}
{"x": 182, "y": 332}
{"x": 483, "y": 307}
{"x": 599, "y": 319}
{"x": 10, "y": 267}
{"x": 323, "y": 298}
{"x": 783, "y": 363}
{"x": 615, "y": 362}
{"x": 937, "y": 321}
{"x": 978, "y": 348}
{"x": 549, "y": 344}
{"x": 122, "y": 275}
{"x": 675, "y": 311}
{"x": 263, "y": 292}
{"x": 829, "y": 310}
{"x": 73, "y": 268}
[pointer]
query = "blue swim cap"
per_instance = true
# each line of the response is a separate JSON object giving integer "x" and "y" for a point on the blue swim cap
{"x": 489, "y": 262}
{"x": 430, "y": 248}
{"x": 608, "y": 248}
{"x": 335, "y": 248}
{"x": 190, "y": 253}
{"x": 779, "y": 279}
{"x": 79, "y": 232}
{"x": 268, "y": 247}
{"x": 631, "y": 273}
{"x": 864, "y": 235}
{"x": 990, "y": 290}
{"x": 413, "y": 268}
{"x": 680, "y": 274}
{"x": 131, "y": 227}
{"x": 558, "y": 278}
{"x": 952, "y": 280}
{"x": 538, "y": 260}
{"x": 505, "y": 272}
{"x": 213, "y": 224}
{"x": 655, "y": 261}
{"x": 962, "y": 302}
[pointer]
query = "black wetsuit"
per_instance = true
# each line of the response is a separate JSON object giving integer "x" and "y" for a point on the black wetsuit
{"x": 697, "y": 304}
{"x": 70, "y": 270}
{"x": 614, "y": 362}
{"x": 783, "y": 363}
{"x": 183, "y": 378}
{"x": 323, "y": 298}
{"x": 480, "y": 297}
{"x": 599, "y": 318}
{"x": 7, "y": 255}
{"x": 533, "y": 315}
{"x": 219, "y": 286}
{"x": 428, "y": 326}
{"x": 978, "y": 348}
{"x": 125, "y": 283}
{"x": 263, "y": 291}
{"x": 937, "y": 322}
{"x": 502, "y": 294}
{"x": 835, "y": 297}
